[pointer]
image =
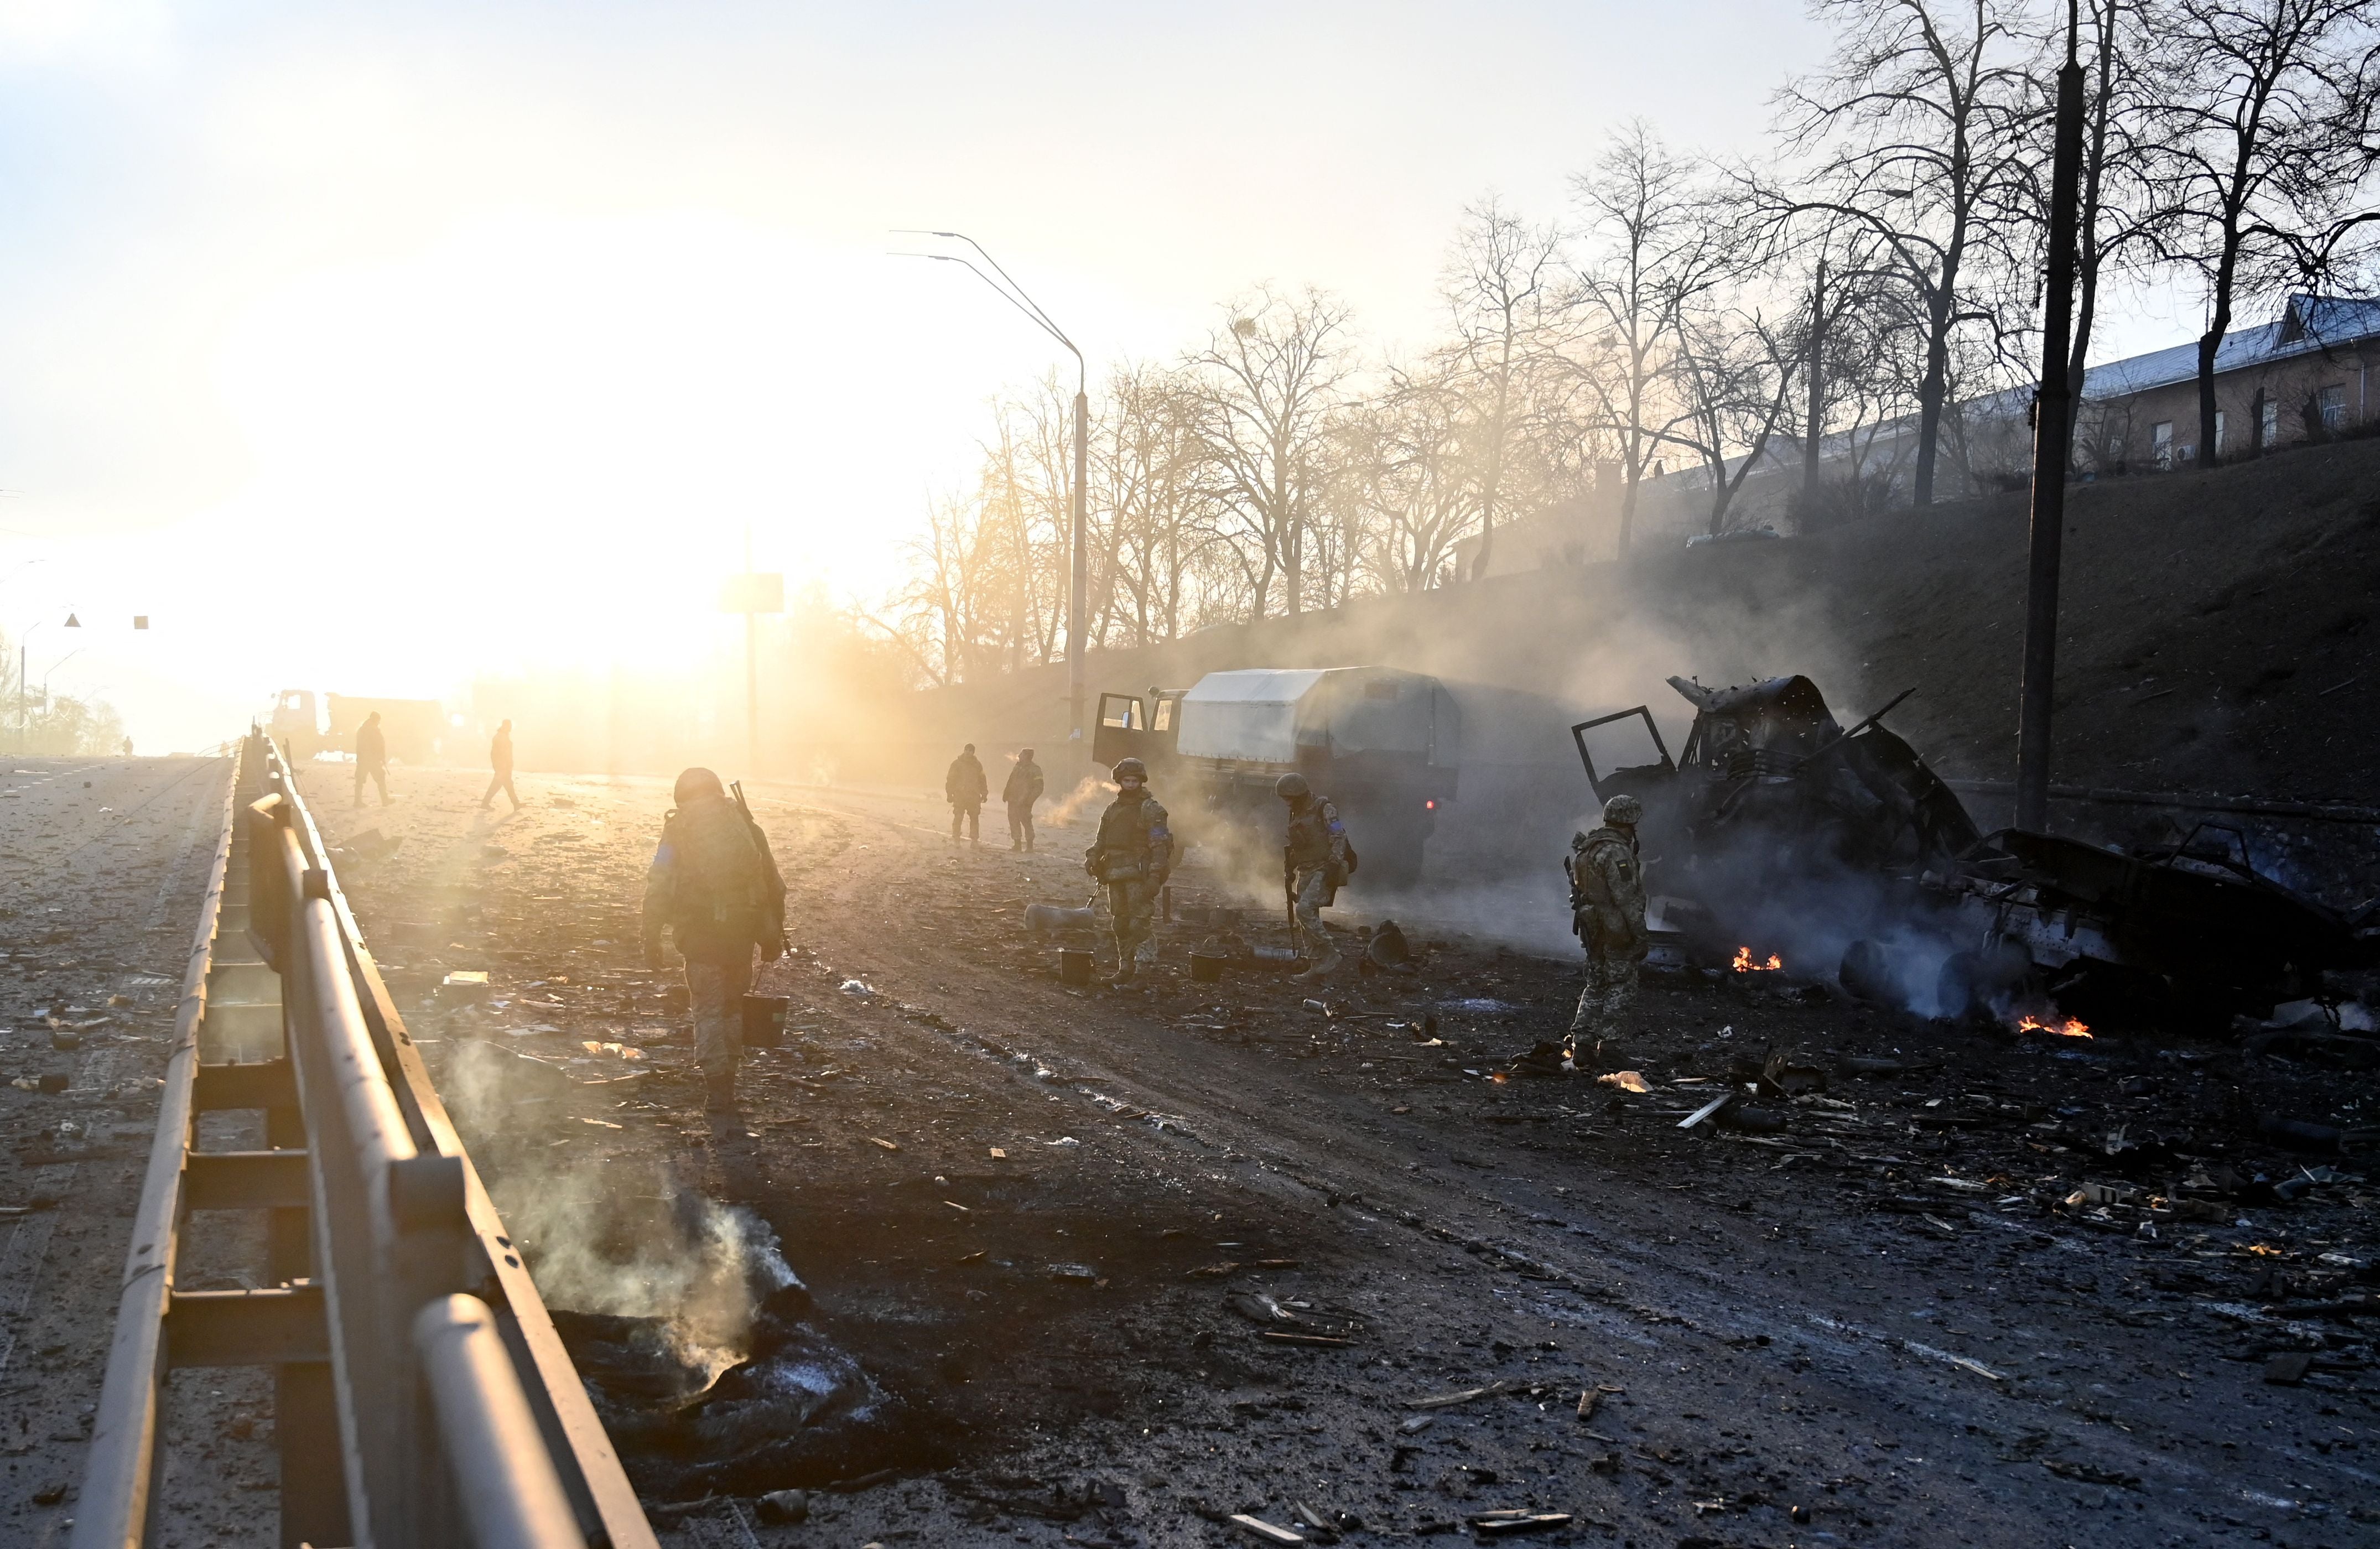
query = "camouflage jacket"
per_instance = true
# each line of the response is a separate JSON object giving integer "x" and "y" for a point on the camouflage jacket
{"x": 1316, "y": 839}
{"x": 1607, "y": 893}
{"x": 714, "y": 885}
{"x": 1135, "y": 841}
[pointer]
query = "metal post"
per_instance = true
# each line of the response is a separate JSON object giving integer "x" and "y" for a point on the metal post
{"x": 751, "y": 670}
{"x": 1079, "y": 601}
{"x": 2053, "y": 416}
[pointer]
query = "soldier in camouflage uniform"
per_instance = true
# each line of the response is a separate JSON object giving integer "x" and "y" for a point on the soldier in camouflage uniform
{"x": 1132, "y": 857}
{"x": 1607, "y": 899}
{"x": 714, "y": 886}
{"x": 1313, "y": 867}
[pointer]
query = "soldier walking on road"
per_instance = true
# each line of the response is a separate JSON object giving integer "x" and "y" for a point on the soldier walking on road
{"x": 714, "y": 885}
{"x": 371, "y": 757}
{"x": 1023, "y": 788}
{"x": 1133, "y": 856}
{"x": 1315, "y": 864}
{"x": 965, "y": 787}
{"x": 1607, "y": 899}
{"x": 500, "y": 757}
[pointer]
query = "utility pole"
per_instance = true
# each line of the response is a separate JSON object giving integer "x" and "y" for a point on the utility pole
{"x": 750, "y": 594}
{"x": 2053, "y": 417}
{"x": 751, "y": 670}
{"x": 1078, "y": 597}
{"x": 1079, "y": 588}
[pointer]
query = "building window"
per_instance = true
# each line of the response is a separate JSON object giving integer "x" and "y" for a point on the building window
{"x": 2220, "y": 425}
{"x": 2331, "y": 403}
{"x": 2161, "y": 443}
{"x": 2268, "y": 422}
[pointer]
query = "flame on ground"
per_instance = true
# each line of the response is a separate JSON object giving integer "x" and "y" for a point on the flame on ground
{"x": 2069, "y": 1028}
{"x": 1744, "y": 964}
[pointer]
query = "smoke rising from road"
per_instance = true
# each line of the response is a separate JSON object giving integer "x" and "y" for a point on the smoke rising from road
{"x": 676, "y": 1255}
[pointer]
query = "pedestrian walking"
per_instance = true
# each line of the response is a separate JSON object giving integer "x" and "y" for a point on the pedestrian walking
{"x": 371, "y": 757}
{"x": 1132, "y": 857}
{"x": 714, "y": 886}
{"x": 1606, "y": 901}
{"x": 965, "y": 787}
{"x": 1023, "y": 788}
{"x": 1315, "y": 861}
{"x": 500, "y": 757}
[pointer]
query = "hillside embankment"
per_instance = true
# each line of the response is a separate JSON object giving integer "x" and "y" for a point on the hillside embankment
{"x": 2217, "y": 634}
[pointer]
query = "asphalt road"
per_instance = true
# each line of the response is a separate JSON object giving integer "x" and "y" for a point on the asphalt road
{"x": 103, "y": 865}
{"x": 1040, "y": 1225}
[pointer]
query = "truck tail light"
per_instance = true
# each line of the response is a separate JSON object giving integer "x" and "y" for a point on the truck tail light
{"x": 1430, "y": 806}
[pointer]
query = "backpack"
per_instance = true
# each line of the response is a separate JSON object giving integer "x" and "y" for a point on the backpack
{"x": 723, "y": 890}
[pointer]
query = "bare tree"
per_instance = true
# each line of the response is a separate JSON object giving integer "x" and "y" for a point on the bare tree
{"x": 1406, "y": 455}
{"x": 2263, "y": 118}
{"x": 1737, "y": 376}
{"x": 1660, "y": 248}
{"x": 2119, "y": 216}
{"x": 1266, "y": 384}
{"x": 1505, "y": 296}
{"x": 1915, "y": 130}
{"x": 1149, "y": 467}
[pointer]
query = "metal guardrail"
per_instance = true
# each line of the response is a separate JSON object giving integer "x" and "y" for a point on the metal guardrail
{"x": 422, "y": 1395}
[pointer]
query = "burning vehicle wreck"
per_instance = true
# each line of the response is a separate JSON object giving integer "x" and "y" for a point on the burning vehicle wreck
{"x": 1777, "y": 831}
{"x": 2180, "y": 933}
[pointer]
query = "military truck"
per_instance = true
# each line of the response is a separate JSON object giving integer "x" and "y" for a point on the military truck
{"x": 1383, "y": 744}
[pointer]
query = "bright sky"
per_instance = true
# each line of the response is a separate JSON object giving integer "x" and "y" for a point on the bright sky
{"x": 362, "y": 345}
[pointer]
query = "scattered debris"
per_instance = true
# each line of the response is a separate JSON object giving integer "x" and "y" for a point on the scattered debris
{"x": 1262, "y": 1531}
{"x": 1446, "y": 1400}
{"x": 1491, "y": 1524}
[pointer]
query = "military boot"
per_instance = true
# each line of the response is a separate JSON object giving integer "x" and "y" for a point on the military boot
{"x": 1126, "y": 972}
{"x": 719, "y": 1091}
{"x": 1322, "y": 967}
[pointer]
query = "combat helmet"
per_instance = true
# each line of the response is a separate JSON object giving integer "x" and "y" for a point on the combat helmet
{"x": 1622, "y": 811}
{"x": 1129, "y": 768}
{"x": 1291, "y": 786}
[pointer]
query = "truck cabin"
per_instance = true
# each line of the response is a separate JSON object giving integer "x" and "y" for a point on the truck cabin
{"x": 1132, "y": 726}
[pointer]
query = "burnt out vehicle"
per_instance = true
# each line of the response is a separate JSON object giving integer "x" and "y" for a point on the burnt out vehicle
{"x": 1775, "y": 830}
{"x": 2177, "y": 934}
{"x": 1774, "y": 826}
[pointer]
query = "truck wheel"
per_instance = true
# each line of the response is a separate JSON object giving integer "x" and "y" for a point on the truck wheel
{"x": 1954, "y": 988}
{"x": 1866, "y": 974}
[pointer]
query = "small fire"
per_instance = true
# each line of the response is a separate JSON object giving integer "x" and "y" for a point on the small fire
{"x": 1744, "y": 964}
{"x": 2069, "y": 1028}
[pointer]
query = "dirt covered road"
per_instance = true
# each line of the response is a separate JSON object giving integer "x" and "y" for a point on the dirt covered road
{"x": 102, "y": 864}
{"x": 1087, "y": 1266}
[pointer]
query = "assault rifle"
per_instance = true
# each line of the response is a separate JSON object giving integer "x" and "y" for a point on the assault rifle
{"x": 735, "y": 788}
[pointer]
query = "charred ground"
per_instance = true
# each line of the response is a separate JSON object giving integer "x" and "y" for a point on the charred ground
{"x": 1075, "y": 1262}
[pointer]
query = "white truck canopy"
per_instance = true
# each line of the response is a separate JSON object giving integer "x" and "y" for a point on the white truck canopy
{"x": 1266, "y": 716}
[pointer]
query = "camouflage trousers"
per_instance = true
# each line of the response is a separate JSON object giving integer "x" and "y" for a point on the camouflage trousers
{"x": 1611, "y": 989}
{"x": 1132, "y": 902}
{"x": 716, "y": 991}
{"x": 1309, "y": 889}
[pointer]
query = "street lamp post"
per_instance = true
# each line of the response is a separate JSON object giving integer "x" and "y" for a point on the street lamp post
{"x": 53, "y": 670}
{"x": 24, "y": 704}
{"x": 1078, "y": 595}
